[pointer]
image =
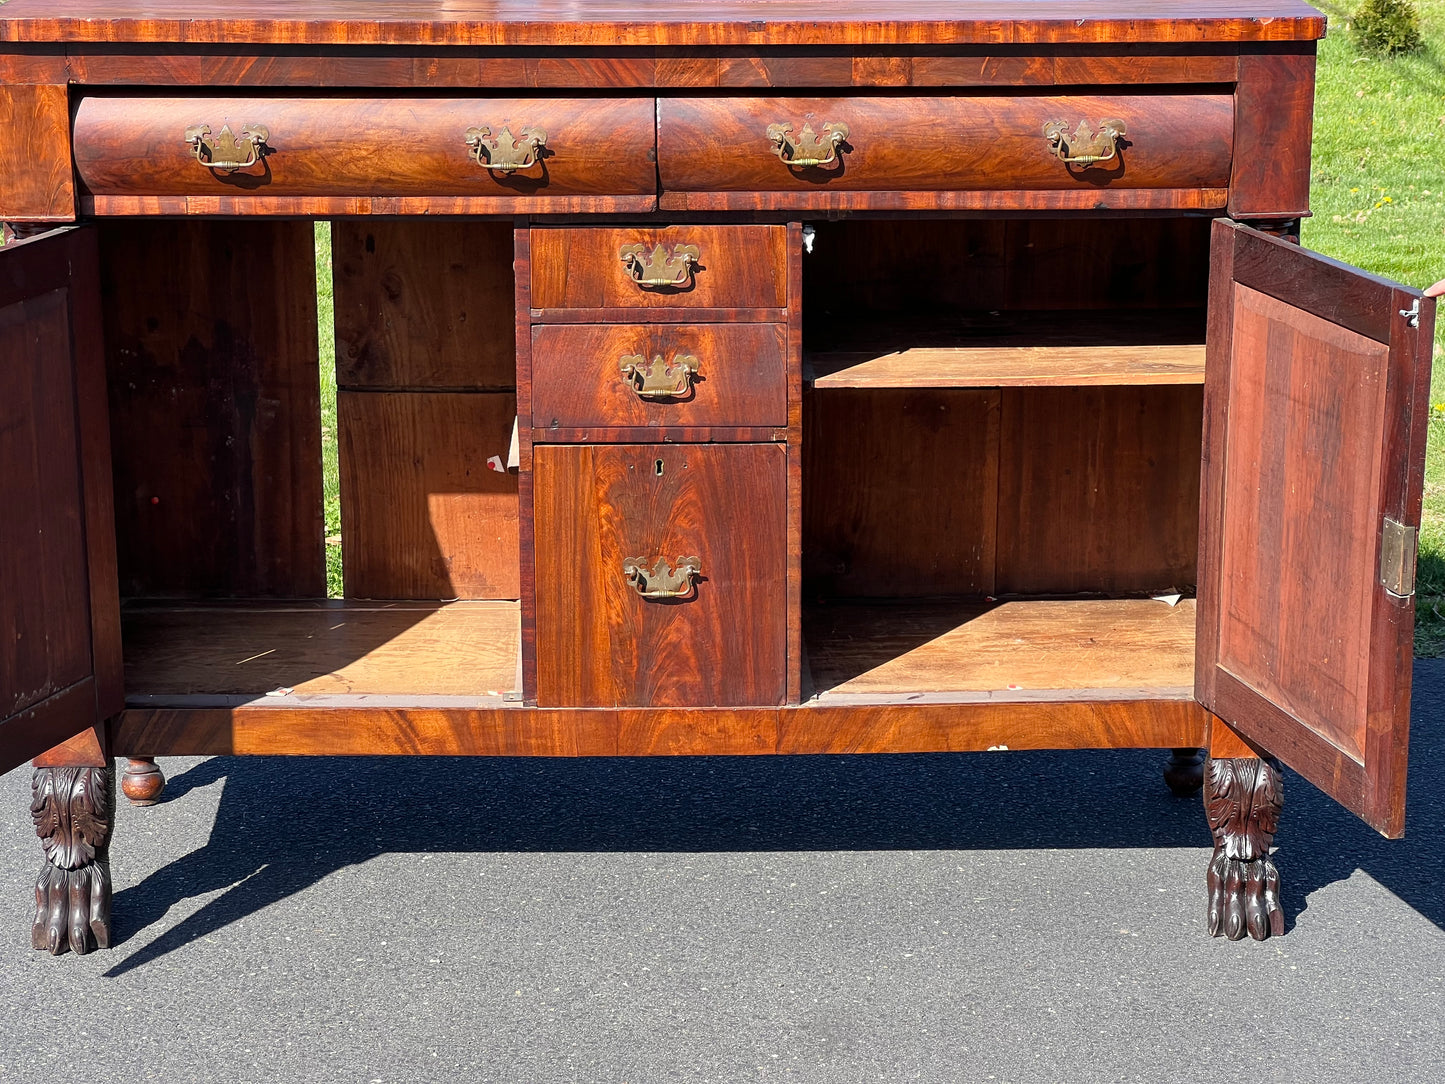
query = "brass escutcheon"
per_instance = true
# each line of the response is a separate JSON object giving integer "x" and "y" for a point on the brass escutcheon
{"x": 662, "y": 580}
{"x": 505, "y": 153}
{"x": 807, "y": 148}
{"x": 226, "y": 151}
{"x": 658, "y": 379}
{"x": 659, "y": 266}
{"x": 1086, "y": 146}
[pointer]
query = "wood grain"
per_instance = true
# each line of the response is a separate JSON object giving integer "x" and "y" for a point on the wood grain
{"x": 241, "y": 652}
{"x": 992, "y": 201}
{"x": 717, "y": 22}
{"x": 1032, "y": 649}
{"x": 1027, "y": 366}
{"x": 423, "y": 304}
{"x": 942, "y": 143}
{"x": 342, "y": 206}
{"x": 211, "y": 351}
{"x": 45, "y": 613}
{"x": 598, "y": 642}
{"x": 128, "y": 145}
{"x": 1273, "y": 125}
{"x": 59, "y": 630}
{"x": 35, "y": 175}
{"x": 515, "y": 730}
{"x": 741, "y": 377}
{"x": 1314, "y": 439}
{"x": 740, "y": 267}
{"x": 1117, "y": 471}
{"x": 422, "y": 514}
{"x": 900, "y": 492}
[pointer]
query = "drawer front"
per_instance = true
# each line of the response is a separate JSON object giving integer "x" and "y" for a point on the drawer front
{"x": 917, "y": 143}
{"x": 131, "y": 145}
{"x": 659, "y": 375}
{"x": 676, "y": 267}
{"x": 720, "y": 638}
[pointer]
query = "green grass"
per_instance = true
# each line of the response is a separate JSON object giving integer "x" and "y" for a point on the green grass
{"x": 330, "y": 459}
{"x": 1378, "y": 195}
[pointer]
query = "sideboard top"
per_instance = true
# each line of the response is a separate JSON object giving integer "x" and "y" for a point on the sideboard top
{"x": 634, "y": 23}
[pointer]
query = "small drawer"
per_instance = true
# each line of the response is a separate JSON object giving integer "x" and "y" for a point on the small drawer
{"x": 921, "y": 144}
{"x": 676, "y": 267}
{"x": 660, "y": 575}
{"x": 364, "y": 147}
{"x": 659, "y": 375}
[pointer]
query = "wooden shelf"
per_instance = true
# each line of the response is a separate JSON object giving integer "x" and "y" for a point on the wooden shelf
{"x": 274, "y": 652}
{"x": 1043, "y": 349}
{"x": 1018, "y": 650}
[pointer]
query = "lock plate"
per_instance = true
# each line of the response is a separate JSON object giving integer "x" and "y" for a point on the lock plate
{"x": 1397, "y": 558}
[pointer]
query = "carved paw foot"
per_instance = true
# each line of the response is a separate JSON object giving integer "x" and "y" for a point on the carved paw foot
{"x": 1242, "y": 798}
{"x": 73, "y": 809}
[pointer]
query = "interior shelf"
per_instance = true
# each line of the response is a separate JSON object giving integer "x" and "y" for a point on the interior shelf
{"x": 230, "y": 653}
{"x": 1016, "y": 349}
{"x": 1122, "y": 648}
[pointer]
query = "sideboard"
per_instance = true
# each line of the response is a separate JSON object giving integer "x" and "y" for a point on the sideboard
{"x": 732, "y": 377}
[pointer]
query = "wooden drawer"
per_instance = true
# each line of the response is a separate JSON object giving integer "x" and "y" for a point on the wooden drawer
{"x": 131, "y": 145}
{"x": 725, "y": 267}
{"x": 737, "y": 375}
{"x": 939, "y": 144}
{"x": 600, "y": 643}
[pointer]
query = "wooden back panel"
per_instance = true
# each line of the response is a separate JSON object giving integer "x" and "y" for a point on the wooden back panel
{"x": 426, "y": 375}
{"x": 211, "y": 355}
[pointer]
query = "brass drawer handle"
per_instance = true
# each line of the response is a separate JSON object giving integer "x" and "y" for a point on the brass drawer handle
{"x": 662, "y": 581}
{"x": 1086, "y": 146}
{"x": 660, "y": 266}
{"x": 505, "y": 153}
{"x": 807, "y": 148}
{"x": 227, "y": 151}
{"x": 658, "y": 379}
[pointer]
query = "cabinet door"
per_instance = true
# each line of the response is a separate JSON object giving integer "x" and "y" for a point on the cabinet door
{"x": 60, "y": 669}
{"x": 620, "y": 619}
{"x": 1317, "y": 383}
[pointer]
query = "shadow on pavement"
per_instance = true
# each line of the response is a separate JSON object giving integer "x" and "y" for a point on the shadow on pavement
{"x": 285, "y": 823}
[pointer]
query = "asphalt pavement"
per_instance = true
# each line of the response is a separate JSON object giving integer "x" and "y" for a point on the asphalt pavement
{"x": 994, "y": 917}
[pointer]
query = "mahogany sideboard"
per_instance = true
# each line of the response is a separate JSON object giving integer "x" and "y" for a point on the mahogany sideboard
{"x": 877, "y": 377}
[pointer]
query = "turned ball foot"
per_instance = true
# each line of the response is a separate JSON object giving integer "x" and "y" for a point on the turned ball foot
{"x": 142, "y": 781}
{"x": 1184, "y": 774}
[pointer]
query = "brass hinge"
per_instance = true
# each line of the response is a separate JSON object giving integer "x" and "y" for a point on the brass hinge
{"x": 1397, "y": 558}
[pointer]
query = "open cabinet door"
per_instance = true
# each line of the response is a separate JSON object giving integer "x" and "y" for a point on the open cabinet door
{"x": 60, "y": 665}
{"x": 1315, "y": 399}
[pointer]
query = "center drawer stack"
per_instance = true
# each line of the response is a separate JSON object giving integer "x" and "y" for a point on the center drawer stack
{"x": 659, "y": 413}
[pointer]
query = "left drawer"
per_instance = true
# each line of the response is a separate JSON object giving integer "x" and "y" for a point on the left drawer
{"x": 503, "y": 149}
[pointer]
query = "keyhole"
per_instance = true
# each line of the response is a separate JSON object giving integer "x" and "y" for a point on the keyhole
{"x": 657, "y": 468}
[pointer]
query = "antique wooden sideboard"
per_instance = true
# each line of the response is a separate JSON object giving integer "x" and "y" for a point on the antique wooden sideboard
{"x": 875, "y": 377}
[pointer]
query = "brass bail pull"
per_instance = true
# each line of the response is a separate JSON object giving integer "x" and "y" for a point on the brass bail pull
{"x": 807, "y": 148}
{"x": 1087, "y": 145}
{"x": 505, "y": 152}
{"x": 662, "y": 580}
{"x": 658, "y": 379}
{"x": 225, "y": 151}
{"x": 661, "y": 265}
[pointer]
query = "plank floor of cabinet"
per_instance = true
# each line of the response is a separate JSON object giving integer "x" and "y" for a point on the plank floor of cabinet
{"x": 1016, "y": 349}
{"x": 1046, "y": 649}
{"x": 224, "y": 653}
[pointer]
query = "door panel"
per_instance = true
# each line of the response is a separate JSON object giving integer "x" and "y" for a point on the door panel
{"x": 59, "y": 610}
{"x": 1315, "y": 401}
{"x": 721, "y": 638}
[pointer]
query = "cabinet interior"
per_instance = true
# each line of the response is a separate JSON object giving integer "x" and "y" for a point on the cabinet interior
{"x": 1000, "y": 461}
{"x": 1001, "y": 435}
